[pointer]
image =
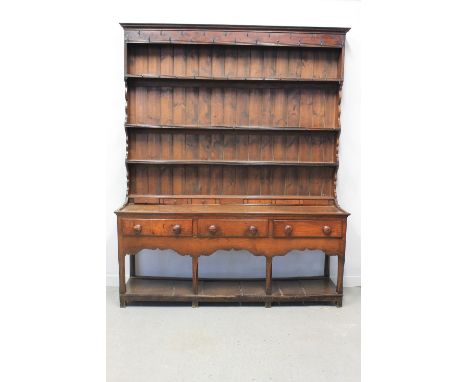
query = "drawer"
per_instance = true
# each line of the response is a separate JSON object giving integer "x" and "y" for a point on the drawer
{"x": 232, "y": 228}
{"x": 157, "y": 227}
{"x": 307, "y": 228}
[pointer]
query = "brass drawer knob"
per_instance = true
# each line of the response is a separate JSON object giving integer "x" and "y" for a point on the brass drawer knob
{"x": 213, "y": 229}
{"x": 253, "y": 230}
{"x": 137, "y": 229}
{"x": 177, "y": 229}
{"x": 288, "y": 229}
{"x": 327, "y": 230}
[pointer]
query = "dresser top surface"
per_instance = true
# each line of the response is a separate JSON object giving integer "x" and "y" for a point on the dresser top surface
{"x": 230, "y": 209}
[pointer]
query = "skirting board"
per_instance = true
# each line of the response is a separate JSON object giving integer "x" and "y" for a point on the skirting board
{"x": 348, "y": 281}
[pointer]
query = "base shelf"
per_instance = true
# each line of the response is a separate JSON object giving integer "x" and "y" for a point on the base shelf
{"x": 231, "y": 290}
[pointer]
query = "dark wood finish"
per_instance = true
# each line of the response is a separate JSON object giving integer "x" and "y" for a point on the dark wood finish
{"x": 232, "y": 143}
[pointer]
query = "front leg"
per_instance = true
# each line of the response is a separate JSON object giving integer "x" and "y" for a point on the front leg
{"x": 268, "y": 277}
{"x": 195, "y": 280}
{"x": 339, "y": 279}
{"x": 122, "y": 286}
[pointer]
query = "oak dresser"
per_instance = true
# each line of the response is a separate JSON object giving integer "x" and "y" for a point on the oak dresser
{"x": 232, "y": 143}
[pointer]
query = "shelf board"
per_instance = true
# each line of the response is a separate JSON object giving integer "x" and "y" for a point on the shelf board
{"x": 229, "y": 128}
{"x": 213, "y": 196}
{"x": 254, "y": 79}
{"x": 242, "y": 83}
{"x": 230, "y": 163}
{"x": 219, "y": 290}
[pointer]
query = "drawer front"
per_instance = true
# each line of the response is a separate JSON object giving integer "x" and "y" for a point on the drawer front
{"x": 307, "y": 228}
{"x": 157, "y": 227}
{"x": 232, "y": 228}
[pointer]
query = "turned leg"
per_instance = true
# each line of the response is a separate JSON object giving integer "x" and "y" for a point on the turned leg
{"x": 132, "y": 265}
{"x": 195, "y": 280}
{"x": 269, "y": 268}
{"x": 339, "y": 279}
{"x": 122, "y": 287}
{"x": 326, "y": 266}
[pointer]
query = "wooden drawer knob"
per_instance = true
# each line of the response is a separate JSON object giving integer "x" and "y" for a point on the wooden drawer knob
{"x": 137, "y": 229}
{"x": 327, "y": 230}
{"x": 288, "y": 229}
{"x": 213, "y": 229}
{"x": 253, "y": 230}
{"x": 177, "y": 229}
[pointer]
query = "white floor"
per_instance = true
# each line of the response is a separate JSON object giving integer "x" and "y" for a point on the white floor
{"x": 234, "y": 343}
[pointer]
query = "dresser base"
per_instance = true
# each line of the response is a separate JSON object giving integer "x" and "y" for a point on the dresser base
{"x": 283, "y": 290}
{"x": 267, "y": 231}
